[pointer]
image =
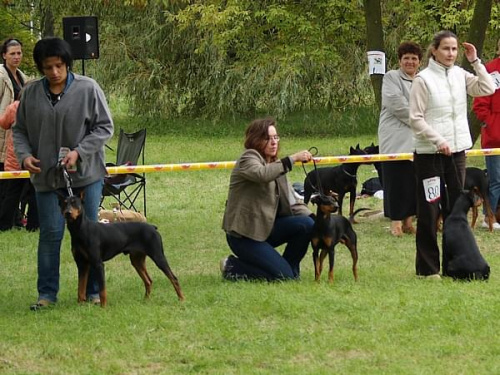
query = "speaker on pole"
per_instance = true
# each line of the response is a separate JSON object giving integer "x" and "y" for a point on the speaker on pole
{"x": 82, "y": 35}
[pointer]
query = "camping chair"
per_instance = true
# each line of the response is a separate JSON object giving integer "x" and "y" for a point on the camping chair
{"x": 126, "y": 188}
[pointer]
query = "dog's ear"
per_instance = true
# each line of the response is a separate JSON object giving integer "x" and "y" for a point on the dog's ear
{"x": 82, "y": 195}
{"x": 61, "y": 197}
{"x": 315, "y": 199}
{"x": 357, "y": 147}
{"x": 333, "y": 194}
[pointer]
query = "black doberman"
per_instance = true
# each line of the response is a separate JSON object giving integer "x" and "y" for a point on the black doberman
{"x": 476, "y": 179}
{"x": 340, "y": 179}
{"x": 374, "y": 150}
{"x": 94, "y": 243}
{"x": 461, "y": 256}
{"x": 328, "y": 231}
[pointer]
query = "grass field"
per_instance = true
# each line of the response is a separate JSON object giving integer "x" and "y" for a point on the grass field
{"x": 387, "y": 323}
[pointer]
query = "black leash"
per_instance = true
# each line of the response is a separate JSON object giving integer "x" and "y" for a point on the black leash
{"x": 445, "y": 183}
{"x": 314, "y": 151}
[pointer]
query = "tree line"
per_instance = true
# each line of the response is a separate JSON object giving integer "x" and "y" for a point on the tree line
{"x": 218, "y": 58}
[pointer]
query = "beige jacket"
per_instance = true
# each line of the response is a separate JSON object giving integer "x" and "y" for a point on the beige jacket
{"x": 258, "y": 193}
{"x": 6, "y": 97}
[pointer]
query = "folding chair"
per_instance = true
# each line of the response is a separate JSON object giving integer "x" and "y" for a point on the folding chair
{"x": 126, "y": 188}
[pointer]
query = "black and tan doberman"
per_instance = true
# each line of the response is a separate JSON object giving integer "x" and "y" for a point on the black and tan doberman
{"x": 341, "y": 179}
{"x": 328, "y": 231}
{"x": 93, "y": 243}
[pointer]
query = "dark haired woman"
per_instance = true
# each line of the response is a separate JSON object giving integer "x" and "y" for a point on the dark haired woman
{"x": 395, "y": 136}
{"x": 61, "y": 110}
{"x": 12, "y": 80}
{"x": 261, "y": 211}
{"x": 438, "y": 117}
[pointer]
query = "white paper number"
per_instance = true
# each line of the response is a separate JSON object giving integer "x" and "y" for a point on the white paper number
{"x": 432, "y": 189}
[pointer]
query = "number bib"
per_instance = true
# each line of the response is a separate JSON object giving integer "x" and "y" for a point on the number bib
{"x": 432, "y": 189}
{"x": 496, "y": 79}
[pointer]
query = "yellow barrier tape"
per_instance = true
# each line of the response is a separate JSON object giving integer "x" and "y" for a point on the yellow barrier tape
{"x": 230, "y": 164}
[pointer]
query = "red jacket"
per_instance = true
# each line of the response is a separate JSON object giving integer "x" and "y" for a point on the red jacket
{"x": 487, "y": 109}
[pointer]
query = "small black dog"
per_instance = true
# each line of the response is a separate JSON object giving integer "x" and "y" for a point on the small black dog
{"x": 94, "y": 243}
{"x": 461, "y": 256}
{"x": 340, "y": 179}
{"x": 328, "y": 231}
{"x": 374, "y": 150}
{"x": 476, "y": 179}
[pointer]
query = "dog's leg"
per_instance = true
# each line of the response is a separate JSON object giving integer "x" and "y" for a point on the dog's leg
{"x": 316, "y": 265}
{"x": 315, "y": 246}
{"x": 173, "y": 279}
{"x": 101, "y": 281}
{"x": 475, "y": 214}
{"x": 352, "y": 201}
{"x": 331, "y": 261}
{"x": 157, "y": 254}
{"x": 83, "y": 275}
{"x": 340, "y": 200}
{"x": 138, "y": 260}
{"x": 354, "y": 255}
{"x": 322, "y": 257}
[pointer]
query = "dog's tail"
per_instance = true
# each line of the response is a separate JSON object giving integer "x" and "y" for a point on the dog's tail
{"x": 351, "y": 217}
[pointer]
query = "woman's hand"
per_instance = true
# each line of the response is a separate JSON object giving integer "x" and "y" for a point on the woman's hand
{"x": 444, "y": 149}
{"x": 303, "y": 156}
{"x": 32, "y": 164}
{"x": 470, "y": 51}
{"x": 70, "y": 159}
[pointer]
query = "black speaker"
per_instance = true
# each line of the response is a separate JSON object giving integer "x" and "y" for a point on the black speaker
{"x": 82, "y": 35}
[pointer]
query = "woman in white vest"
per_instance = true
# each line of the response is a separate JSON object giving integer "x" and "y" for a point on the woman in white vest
{"x": 438, "y": 118}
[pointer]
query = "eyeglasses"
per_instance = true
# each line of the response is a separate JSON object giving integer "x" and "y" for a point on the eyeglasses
{"x": 274, "y": 138}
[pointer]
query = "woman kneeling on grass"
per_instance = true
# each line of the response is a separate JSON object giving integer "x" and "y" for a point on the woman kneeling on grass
{"x": 262, "y": 213}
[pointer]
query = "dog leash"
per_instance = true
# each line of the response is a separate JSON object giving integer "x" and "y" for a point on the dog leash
{"x": 67, "y": 179}
{"x": 314, "y": 151}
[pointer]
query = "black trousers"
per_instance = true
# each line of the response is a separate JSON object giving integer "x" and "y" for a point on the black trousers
{"x": 14, "y": 191}
{"x": 451, "y": 170}
{"x": 399, "y": 189}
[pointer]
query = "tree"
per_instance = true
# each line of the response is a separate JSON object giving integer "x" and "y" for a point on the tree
{"x": 214, "y": 58}
{"x": 375, "y": 41}
{"x": 477, "y": 35}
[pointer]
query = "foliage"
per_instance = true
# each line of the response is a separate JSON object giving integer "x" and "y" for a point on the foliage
{"x": 13, "y": 26}
{"x": 221, "y": 58}
{"x": 242, "y": 57}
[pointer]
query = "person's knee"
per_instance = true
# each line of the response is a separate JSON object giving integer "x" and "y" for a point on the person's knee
{"x": 51, "y": 233}
{"x": 306, "y": 225}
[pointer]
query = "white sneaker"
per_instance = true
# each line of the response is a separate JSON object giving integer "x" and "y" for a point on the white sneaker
{"x": 435, "y": 276}
{"x": 222, "y": 265}
{"x": 496, "y": 226}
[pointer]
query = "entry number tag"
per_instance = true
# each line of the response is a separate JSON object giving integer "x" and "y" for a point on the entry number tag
{"x": 432, "y": 189}
{"x": 496, "y": 79}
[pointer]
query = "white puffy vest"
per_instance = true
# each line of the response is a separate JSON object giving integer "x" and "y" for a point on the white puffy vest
{"x": 446, "y": 108}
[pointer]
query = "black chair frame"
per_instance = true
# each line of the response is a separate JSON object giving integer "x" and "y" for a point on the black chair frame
{"x": 126, "y": 188}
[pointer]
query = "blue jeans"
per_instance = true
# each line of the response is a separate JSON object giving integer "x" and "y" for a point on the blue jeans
{"x": 52, "y": 227}
{"x": 260, "y": 260}
{"x": 493, "y": 168}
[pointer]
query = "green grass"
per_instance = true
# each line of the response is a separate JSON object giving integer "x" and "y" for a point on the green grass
{"x": 387, "y": 323}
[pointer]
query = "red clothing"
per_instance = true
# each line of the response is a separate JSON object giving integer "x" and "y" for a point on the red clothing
{"x": 487, "y": 109}
{"x": 7, "y": 119}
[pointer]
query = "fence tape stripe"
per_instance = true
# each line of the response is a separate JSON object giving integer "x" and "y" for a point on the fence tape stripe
{"x": 326, "y": 160}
